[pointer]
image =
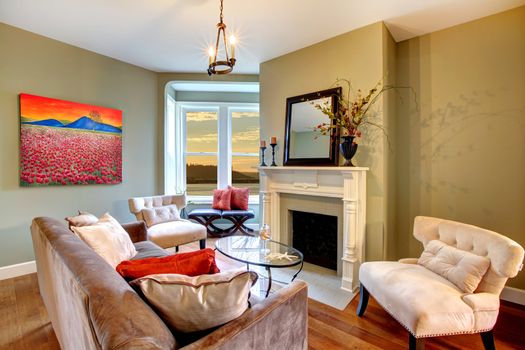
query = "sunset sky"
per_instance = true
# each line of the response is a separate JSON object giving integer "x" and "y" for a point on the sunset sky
{"x": 40, "y": 108}
{"x": 201, "y": 136}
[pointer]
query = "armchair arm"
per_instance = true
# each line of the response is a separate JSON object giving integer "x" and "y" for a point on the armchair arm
{"x": 137, "y": 231}
{"x": 281, "y": 319}
{"x": 408, "y": 260}
{"x": 482, "y": 301}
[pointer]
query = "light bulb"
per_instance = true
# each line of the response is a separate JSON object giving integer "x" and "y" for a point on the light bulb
{"x": 211, "y": 53}
{"x": 233, "y": 41}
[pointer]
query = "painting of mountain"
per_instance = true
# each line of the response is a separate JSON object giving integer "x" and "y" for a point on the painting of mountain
{"x": 68, "y": 143}
{"x": 46, "y": 122}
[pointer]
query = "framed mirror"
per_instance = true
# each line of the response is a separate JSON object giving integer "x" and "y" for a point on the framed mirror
{"x": 302, "y": 144}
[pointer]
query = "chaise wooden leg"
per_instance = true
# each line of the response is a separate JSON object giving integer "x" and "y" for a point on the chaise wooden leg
{"x": 488, "y": 340}
{"x": 202, "y": 243}
{"x": 415, "y": 343}
{"x": 363, "y": 300}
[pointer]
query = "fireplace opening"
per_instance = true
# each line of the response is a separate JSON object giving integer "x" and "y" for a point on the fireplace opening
{"x": 315, "y": 235}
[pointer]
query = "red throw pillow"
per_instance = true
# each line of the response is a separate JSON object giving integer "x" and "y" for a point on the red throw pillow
{"x": 240, "y": 197}
{"x": 200, "y": 262}
{"x": 221, "y": 199}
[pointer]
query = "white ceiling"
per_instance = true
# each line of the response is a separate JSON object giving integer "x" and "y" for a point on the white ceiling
{"x": 172, "y": 35}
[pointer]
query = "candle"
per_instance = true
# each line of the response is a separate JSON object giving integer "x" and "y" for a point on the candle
{"x": 263, "y": 143}
{"x": 211, "y": 53}
{"x": 274, "y": 140}
{"x": 233, "y": 40}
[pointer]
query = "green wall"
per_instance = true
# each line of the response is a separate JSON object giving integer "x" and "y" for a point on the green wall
{"x": 462, "y": 154}
{"x": 357, "y": 55}
{"x": 37, "y": 65}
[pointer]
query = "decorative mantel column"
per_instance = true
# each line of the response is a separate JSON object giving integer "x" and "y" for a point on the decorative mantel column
{"x": 347, "y": 183}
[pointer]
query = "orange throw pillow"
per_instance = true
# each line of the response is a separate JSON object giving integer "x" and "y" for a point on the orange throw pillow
{"x": 200, "y": 262}
{"x": 239, "y": 198}
{"x": 221, "y": 199}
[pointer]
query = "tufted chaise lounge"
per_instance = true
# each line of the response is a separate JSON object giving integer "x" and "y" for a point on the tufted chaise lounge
{"x": 430, "y": 305}
{"x": 171, "y": 233}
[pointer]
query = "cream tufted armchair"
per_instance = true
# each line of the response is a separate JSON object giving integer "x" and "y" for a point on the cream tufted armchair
{"x": 453, "y": 288}
{"x": 162, "y": 218}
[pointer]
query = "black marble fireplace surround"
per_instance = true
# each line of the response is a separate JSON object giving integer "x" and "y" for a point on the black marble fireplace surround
{"x": 315, "y": 235}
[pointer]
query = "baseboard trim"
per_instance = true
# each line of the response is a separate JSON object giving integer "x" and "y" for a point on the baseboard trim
{"x": 16, "y": 270}
{"x": 514, "y": 295}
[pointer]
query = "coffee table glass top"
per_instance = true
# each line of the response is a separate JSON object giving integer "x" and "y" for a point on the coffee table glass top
{"x": 251, "y": 250}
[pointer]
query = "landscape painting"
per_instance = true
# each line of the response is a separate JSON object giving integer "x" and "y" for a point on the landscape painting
{"x": 68, "y": 143}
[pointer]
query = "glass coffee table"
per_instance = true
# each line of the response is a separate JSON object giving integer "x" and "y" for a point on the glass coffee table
{"x": 254, "y": 251}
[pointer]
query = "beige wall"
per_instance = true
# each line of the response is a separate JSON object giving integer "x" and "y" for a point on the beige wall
{"x": 34, "y": 64}
{"x": 357, "y": 55}
{"x": 462, "y": 155}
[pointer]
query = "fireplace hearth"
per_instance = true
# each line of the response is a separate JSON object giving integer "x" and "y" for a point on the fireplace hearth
{"x": 315, "y": 235}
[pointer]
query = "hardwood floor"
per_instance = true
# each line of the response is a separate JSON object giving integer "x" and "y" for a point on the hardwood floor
{"x": 24, "y": 323}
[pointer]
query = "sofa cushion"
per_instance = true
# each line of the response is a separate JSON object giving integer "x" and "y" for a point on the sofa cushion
{"x": 239, "y": 198}
{"x": 460, "y": 267}
{"x": 191, "y": 264}
{"x": 422, "y": 301}
{"x": 148, "y": 249}
{"x": 108, "y": 239}
{"x": 222, "y": 199}
{"x": 189, "y": 304}
{"x": 174, "y": 233}
{"x": 82, "y": 219}
{"x": 158, "y": 215}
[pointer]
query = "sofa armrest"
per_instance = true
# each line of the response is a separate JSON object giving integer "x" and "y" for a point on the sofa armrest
{"x": 281, "y": 320}
{"x": 137, "y": 231}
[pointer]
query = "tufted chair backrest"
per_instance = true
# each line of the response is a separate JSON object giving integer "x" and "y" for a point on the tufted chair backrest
{"x": 506, "y": 256}
{"x": 138, "y": 203}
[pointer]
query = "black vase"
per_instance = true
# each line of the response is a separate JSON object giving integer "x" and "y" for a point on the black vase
{"x": 348, "y": 149}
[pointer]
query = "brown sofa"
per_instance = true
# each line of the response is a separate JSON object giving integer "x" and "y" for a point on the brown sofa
{"x": 92, "y": 307}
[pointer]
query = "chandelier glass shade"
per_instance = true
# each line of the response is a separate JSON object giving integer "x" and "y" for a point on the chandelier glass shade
{"x": 225, "y": 64}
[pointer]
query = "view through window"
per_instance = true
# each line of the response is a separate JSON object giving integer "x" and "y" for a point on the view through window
{"x": 201, "y": 152}
{"x": 245, "y": 150}
{"x": 205, "y": 159}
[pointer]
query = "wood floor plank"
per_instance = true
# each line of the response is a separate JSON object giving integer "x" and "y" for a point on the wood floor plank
{"x": 25, "y": 324}
{"x": 9, "y": 323}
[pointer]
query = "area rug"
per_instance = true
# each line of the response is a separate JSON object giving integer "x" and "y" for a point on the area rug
{"x": 323, "y": 284}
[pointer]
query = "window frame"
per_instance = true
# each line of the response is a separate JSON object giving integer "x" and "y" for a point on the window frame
{"x": 175, "y": 172}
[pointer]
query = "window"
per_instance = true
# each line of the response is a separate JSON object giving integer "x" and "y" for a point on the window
{"x": 216, "y": 145}
{"x": 245, "y": 149}
{"x": 201, "y": 155}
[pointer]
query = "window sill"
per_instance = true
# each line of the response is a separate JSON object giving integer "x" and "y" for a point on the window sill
{"x": 197, "y": 200}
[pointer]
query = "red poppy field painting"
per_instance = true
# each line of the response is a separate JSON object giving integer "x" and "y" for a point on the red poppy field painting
{"x": 68, "y": 143}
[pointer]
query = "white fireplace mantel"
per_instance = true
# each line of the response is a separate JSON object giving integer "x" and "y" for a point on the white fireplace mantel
{"x": 347, "y": 183}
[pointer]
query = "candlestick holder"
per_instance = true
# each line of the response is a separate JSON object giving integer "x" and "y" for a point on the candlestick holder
{"x": 273, "y": 154}
{"x": 262, "y": 156}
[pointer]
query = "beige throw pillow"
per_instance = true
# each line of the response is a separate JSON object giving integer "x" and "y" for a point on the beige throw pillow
{"x": 460, "y": 267}
{"x": 108, "y": 239}
{"x": 158, "y": 215}
{"x": 189, "y": 304}
{"x": 83, "y": 219}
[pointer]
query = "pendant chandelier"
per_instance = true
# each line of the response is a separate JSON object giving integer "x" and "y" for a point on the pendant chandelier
{"x": 225, "y": 65}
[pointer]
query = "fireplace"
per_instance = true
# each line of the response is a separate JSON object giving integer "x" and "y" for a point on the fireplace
{"x": 318, "y": 187}
{"x": 315, "y": 235}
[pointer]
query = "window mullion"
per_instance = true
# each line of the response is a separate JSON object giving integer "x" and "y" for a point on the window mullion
{"x": 224, "y": 147}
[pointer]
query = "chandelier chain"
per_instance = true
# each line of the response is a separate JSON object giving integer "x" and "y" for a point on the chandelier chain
{"x": 221, "y": 11}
